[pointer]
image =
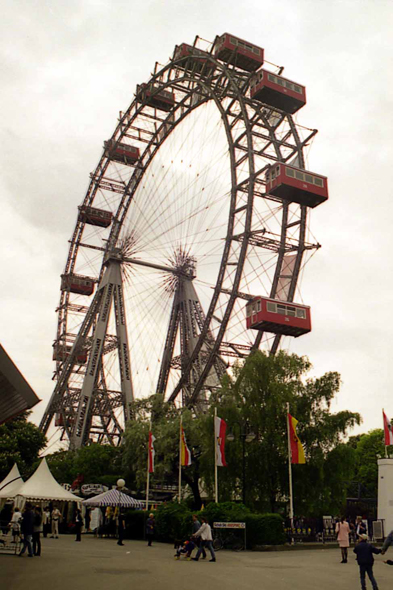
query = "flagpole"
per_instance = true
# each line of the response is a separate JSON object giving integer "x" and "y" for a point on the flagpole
{"x": 148, "y": 472}
{"x": 215, "y": 457}
{"x": 384, "y": 437}
{"x": 290, "y": 472}
{"x": 181, "y": 421}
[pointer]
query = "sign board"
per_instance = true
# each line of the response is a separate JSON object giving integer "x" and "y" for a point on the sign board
{"x": 229, "y": 525}
{"x": 93, "y": 488}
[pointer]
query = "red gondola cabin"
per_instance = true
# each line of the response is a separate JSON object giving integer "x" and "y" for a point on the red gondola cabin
{"x": 94, "y": 216}
{"x": 77, "y": 284}
{"x": 61, "y": 353}
{"x": 278, "y": 317}
{"x": 277, "y": 91}
{"x": 121, "y": 152}
{"x": 238, "y": 52}
{"x": 163, "y": 100}
{"x": 295, "y": 185}
{"x": 198, "y": 60}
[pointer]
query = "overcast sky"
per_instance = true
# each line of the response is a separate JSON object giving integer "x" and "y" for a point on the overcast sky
{"x": 68, "y": 68}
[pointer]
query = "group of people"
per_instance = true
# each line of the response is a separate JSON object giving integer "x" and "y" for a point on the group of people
{"x": 363, "y": 550}
{"x": 201, "y": 537}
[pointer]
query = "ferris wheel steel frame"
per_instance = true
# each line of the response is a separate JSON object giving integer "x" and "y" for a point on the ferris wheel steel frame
{"x": 250, "y": 128}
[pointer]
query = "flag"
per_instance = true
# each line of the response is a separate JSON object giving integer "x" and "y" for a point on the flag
{"x": 387, "y": 427}
{"x": 185, "y": 455}
{"x": 220, "y": 427}
{"x": 297, "y": 450}
{"x": 152, "y": 452}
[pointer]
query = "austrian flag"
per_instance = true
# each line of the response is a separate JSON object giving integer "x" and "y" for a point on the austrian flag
{"x": 220, "y": 427}
{"x": 387, "y": 428}
{"x": 152, "y": 452}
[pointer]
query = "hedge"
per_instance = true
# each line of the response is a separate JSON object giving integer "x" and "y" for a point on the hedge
{"x": 174, "y": 522}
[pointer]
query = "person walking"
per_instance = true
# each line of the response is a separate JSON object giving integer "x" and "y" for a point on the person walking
{"x": 196, "y": 525}
{"x": 46, "y": 521}
{"x": 388, "y": 541}
{"x": 150, "y": 529}
{"x": 27, "y": 528}
{"x": 361, "y": 528}
{"x": 56, "y": 516}
{"x": 15, "y": 524}
{"x": 205, "y": 533}
{"x": 343, "y": 530}
{"x": 364, "y": 555}
{"x": 121, "y": 526}
{"x": 37, "y": 530}
{"x": 78, "y": 524}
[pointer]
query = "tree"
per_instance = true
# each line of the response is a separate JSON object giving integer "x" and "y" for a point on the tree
{"x": 166, "y": 429}
{"x": 20, "y": 442}
{"x": 256, "y": 398}
{"x": 96, "y": 463}
{"x": 368, "y": 449}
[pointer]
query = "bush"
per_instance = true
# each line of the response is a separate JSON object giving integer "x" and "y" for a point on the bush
{"x": 173, "y": 522}
{"x": 135, "y": 524}
{"x": 224, "y": 512}
{"x": 264, "y": 529}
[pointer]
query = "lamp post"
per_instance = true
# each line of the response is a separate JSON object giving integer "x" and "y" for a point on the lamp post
{"x": 120, "y": 485}
{"x": 246, "y": 436}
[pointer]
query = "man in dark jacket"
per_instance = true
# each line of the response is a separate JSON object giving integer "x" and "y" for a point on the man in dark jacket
{"x": 27, "y": 528}
{"x": 364, "y": 555}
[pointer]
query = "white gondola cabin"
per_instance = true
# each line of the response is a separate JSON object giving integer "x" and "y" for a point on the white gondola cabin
{"x": 278, "y": 92}
{"x": 77, "y": 284}
{"x": 296, "y": 185}
{"x": 163, "y": 100}
{"x": 237, "y": 52}
{"x": 121, "y": 152}
{"x": 278, "y": 317}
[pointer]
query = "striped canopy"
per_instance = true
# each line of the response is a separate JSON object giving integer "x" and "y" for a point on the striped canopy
{"x": 113, "y": 498}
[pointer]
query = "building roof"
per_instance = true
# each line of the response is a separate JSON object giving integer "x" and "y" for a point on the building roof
{"x": 16, "y": 395}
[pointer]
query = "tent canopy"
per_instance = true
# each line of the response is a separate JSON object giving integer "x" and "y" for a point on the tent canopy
{"x": 11, "y": 484}
{"x": 43, "y": 486}
{"x": 113, "y": 498}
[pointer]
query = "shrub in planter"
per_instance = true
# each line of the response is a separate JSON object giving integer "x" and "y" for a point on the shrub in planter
{"x": 173, "y": 522}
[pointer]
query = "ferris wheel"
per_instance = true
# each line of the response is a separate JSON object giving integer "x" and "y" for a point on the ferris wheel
{"x": 189, "y": 242}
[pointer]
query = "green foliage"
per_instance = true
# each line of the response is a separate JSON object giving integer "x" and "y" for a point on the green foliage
{"x": 97, "y": 463}
{"x": 20, "y": 442}
{"x": 256, "y": 399}
{"x": 225, "y": 512}
{"x": 264, "y": 529}
{"x": 173, "y": 522}
{"x": 135, "y": 524}
{"x": 369, "y": 447}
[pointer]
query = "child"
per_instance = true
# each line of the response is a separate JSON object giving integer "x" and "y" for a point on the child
{"x": 187, "y": 548}
{"x": 15, "y": 524}
{"x": 364, "y": 555}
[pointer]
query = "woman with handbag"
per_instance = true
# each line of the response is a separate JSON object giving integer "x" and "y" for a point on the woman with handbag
{"x": 343, "y": 530}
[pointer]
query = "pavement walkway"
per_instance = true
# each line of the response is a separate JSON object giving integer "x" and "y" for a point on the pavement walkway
{"x": 100, "y": 564}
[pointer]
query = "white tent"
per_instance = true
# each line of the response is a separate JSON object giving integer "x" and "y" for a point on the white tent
{"x": 114, "y": 498}
{"x": 43, "y": 486}
{"x": 11, "y": 484}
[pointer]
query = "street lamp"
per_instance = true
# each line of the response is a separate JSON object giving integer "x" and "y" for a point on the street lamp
{"x": 247, "y": 436}
{"x": 120, "y": 485}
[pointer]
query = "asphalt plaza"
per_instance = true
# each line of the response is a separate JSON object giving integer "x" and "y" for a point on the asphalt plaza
{"x": 100, "y": 564}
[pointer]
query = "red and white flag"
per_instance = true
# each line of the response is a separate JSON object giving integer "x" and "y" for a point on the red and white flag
{"x": 220, "y": 427}
{"x": 388, "y": 430}
{"x": 152, "y": 452}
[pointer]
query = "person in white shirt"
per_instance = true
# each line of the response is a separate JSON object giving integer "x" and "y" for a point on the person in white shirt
{"x": 205, "y": 533}
{"x": 56, "y": 515}
{"x": 15, "y": 524}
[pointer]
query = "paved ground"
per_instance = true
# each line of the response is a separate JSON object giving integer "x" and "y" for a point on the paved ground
{"x": 100, "y": 564}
